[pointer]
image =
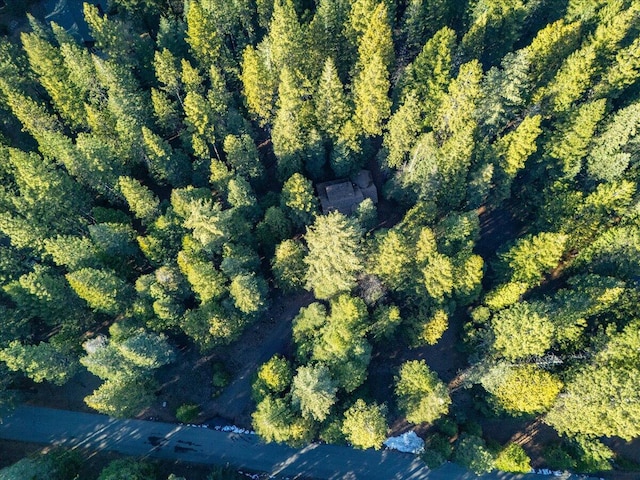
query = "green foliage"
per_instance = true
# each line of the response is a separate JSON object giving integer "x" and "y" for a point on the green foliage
{"x": 298, "y": 198}
{"x": 39, "y": 468}
{"x": 556, "y": 456}
{"x": 125, "y": 363}
{"x": 522, "y": 389}
{"x": 331, "y": 108}
{"x": 249, "y": 293}
{"x": 122, "y": 397}
{"x": 39, "y": 362}
{"x": 275, "y": 421}
{"x": 569, "y": 146}
{"x": 102, "y": 290}
{"x": 151, "y": 183}
{"x": 127, "y": 469}
{"x": 141, "y": 200}
{"x": 313, "y": 391}
{"x": 514, "y": 459}
{"x": 334, "y": 255}
{"x": 364, "y": 425}
{"x": 430, "y": 73}
{"x": 187, "y": 412}
{"x": 371, "y": 91}
{"x": 472, "y": 453}
{"x": 273, "y": 377}
{"x": 592, "y": 455}
{"x": 601, "y": 399}
{"x": 522, "y": 330}
{"x": 434, "y": 327}
{"x": 422, "y": 396}
{"x": 533, "y": 256}
{"x": 288, "y": 265}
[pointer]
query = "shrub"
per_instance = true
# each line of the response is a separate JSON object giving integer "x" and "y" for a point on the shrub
{"x": 432, "y": 459}
{"x": 219, "y": 379}
{"x": 471, "y": 452}
{"x": 441, "y": 444}
{"x": 447, "y": 426}
{"x": 187, "y": 412}
{"x": 558, "y": 458}
{"x": 514, "y": 459}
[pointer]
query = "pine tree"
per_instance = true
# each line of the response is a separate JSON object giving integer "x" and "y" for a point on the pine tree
{"x": 377, "y": 39}
{"x": 141, "y": 200}
{"x": 202, "y": 35}
{"x": 569, "y": 146}
{"x": 295, "y": 142}
{"x": 101, "y": 289}
{"x": 331, "y": 108}
{"x": 522, "y": 330}
{"x": 422, "y": 396}
{"x": 422, "y": 18}
{"x": 298, "y": 198}
{"x": 327, "y": 35}
{"x": 313, "y": 392}
{"x": 47, "y": 62}
{"x": 611, "y": 153}
{"x": 403, "y": 129}
{"x": 365, "y": 425}
{"x": 260, "y": 84}
{"x": 242, "y": 156}
{"x": 286, "y": 39}
{"x": 333, "y": 260}
{"x": 371, "y": 95}
{"x": 428, "y": 76}
{"x": 572, "y": 80}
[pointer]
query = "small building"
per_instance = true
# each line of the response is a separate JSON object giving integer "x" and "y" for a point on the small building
{"x": 344, "y": 195}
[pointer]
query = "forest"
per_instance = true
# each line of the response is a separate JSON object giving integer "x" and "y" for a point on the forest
{"x": 157, "y": 189}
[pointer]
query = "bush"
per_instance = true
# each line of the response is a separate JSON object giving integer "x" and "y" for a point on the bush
{"x": 514, "y": 459}
{"x": 471, "y": 452}
{"x": 441, "y": 444}
{"x": 187, "y": 412}
{"x": 432, "y": 459}
{"x": 447, "y": 426}
{"x": 592, "y": 455}
{"x": 332, "y": 432}
{"x": 472, "y": 428}
{"x": 558, "y": 458}
{"x": 219, "y": 379}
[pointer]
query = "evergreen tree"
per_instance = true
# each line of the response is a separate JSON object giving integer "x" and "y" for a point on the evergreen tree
{"x": 371, "y": 95}
{"x": 39, "y": 362}
{"x": 202, "y": 35}
{"x": 364, "y": 425}
{"x": 260, "y": 83}
{"x": 421, "y": 395}
{"x": 521, "y": 331}
{"x": 334, "y": 259}
{"x": 298, "y": 198}
{"x": 430, "y": 73}
{"x": 101, "y": 289}
{"x": 569, "y": 145}
{"x": 377, "y": 39}
{"x": 313, "y": 392}
{"x": 141, "y": 200}
{"x": 48, "y": 63}
{"x": 331, "y": 107}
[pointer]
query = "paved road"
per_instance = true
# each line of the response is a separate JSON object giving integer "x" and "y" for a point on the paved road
{"x": 200, "y": 445}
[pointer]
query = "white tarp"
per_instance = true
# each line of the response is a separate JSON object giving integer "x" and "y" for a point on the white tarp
{"x": 408, "y": 442}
